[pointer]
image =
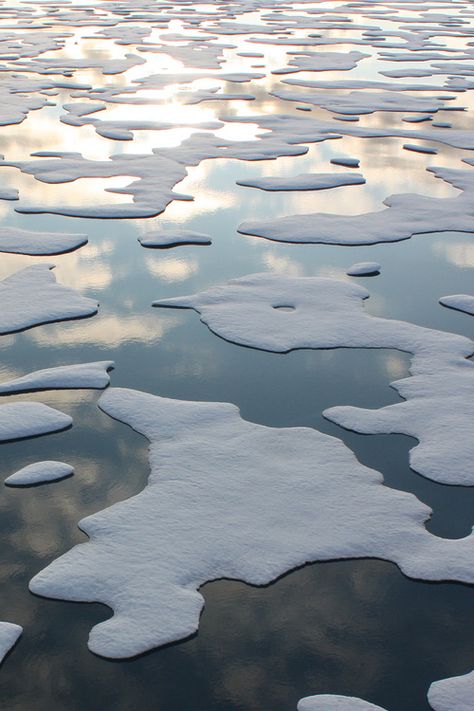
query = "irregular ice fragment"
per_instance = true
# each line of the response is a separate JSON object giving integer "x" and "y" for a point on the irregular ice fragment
{"x": 40, "y": 473}
{"x": 9, "y": 634}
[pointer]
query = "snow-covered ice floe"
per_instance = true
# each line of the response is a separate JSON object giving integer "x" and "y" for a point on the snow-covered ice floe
{"x": 228, "y": 498}
{"x": 173, "y": 238}
{"x": 333, "y": 702}
{"x": 40, "y": 473}
{"x": 305, "y": 181}
{"x": 364, "y": 269}
{"x": 29, "y": 419}
{"x": 9, "y": 634}
{"x": 328, "y": 313}
{"x": 83, "y": 375}
{"x": 32, "y": 297}
{"x": 18, "y": 241}
{"x": 454, "y": 694}
{"x": 460, "y": 302}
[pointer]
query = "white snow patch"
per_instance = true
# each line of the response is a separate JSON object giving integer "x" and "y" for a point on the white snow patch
{"x": 82, "y": 375}
{"x": 40, "y": 473}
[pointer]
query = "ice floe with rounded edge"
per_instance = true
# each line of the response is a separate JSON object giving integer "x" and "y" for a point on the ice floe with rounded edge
{"x": 83, "y": 375}
{"x": 32, "y": 297}
{"x": 460, "y": 302}
{"x": 321, "y": 62}
{"x": 454, "y": 694}
{"x": 363, "y": 269}
{"x": 328, "y": 313}
{"x": 173, "y": 237}
{"x": 40, "y": 473}
{"x": 19, "y": 420}
{"x": 228, "y": 498}
{"x": 345, "y": 161}
{"x": 333, "y": 702}
{"x": 404, "y": 216}
{"x": 418, "y": 148}
{"x": 9, "y": 635}
{"x": 304, "y": 181}
{"x": 19, "y": 241}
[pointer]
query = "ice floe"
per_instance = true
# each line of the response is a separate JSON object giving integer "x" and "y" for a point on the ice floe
{"x": 228, "y": 498}
{"x": 40, "y": 473}
{"x": 304, "y": 181}
{"x": 362, "y": 269}
{"x": 83, "y": 375}
{"x": 333, "y": 702}
{"x": 460, "y": 302}
{"x": 32, "y": 297}
{"x": 328, "y": 313}
{"x": 30, "y": 419}
{"x": 172, "y": 237}
{"x": 18, "y": 241}
{"x": 9, "y": 634}
{"x": 454, "y": 694}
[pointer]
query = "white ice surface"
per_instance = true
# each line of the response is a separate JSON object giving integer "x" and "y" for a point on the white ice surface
{"x": 454, "y": 694}
{"x": 18, "y": 241}
{"x": 29, "y": 419}
{"x": 228, "y": 498}
{"x": 332, "y": 702}
{"x": 39, "y": 473}
{"x": 83, "y": 375}
{"x": 9, "y": 634}
{"x": 364, "y": 269}
{"x": 32, "y": 296}
{"x": 173, "y": 237}
{"x": 329, "y": 313}
{"x": 304, "y": 181}
{"x": 460, "y": 302}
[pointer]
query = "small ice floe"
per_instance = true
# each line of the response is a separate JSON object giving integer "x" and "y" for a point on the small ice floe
{"x": 83, "y": 375}
{"x": 18, "y": 241}
{"x": 173, "y": 238}
{"x": 9, "y": 634}
{"x": 454, "y": 694}
{"x": 346, "y": 161}
{"x": 460, "y": 302}
{"x": 418, "y": 148}
{"x": 333, "y": 702}
{"x": 40, "y": 473}
{"x": 304, "y": 181}
{"x": 19, "y": 420}
{"x": 363, "y": 269}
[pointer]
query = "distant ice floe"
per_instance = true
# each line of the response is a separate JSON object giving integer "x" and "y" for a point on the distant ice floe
{"x": 9, "y": 634}
{"x": 328, "y": 313}
{"x": 83, "y": 375}
{"x": 304, "y": 181}
{"x": 405, "y": 215}
{"x": 454, "y": 694}
{"x": 18, "y": 241}
{"x": 19, "y": 420}
{"x": 460, "y": 302}
{"x": 232, "y": 499}
{"x": 32, "y": 296}
{"x": 333, "y": 702}
{"x": 173, "y": 238}
{"x": 362, "y": 269}
{"x": 40, "y": 473}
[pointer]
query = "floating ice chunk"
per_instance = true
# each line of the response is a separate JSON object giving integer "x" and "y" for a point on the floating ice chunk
{"x": 417, "y": 119}
{"x": 460, "y": 302}
{"x": 32, "y": 297}
{"x": 29, "y": 419}
{"x": 8, "y": 194}
{"x": 304, "y": 181}
{"x": 331, "y": 702}
{"x": 454, "y": 694}
{"x": 83, "y": 375}
{"x": 40, "y": 473}
{"x": 362, "y": 269}
{"x": 418, "y": 148}
{"x": 18, "y": 241}
{"x": 322, "y": 61}
{"x": 9, "y": 634}
{"x": 346, "y": 162}
{"x": 232, "y": 499}
{"x": 173, "y": 238}
{"x": 328, "y": 313}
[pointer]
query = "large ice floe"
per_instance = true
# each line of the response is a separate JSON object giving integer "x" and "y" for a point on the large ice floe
{"x": 82, "y": 375}
{"x": 454, "y": 694}
{"x": 229, "y": 498}
{"x": 39, "y": 473}
{"x": 32, "y": 296}
{"x": 328, "y": 313}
